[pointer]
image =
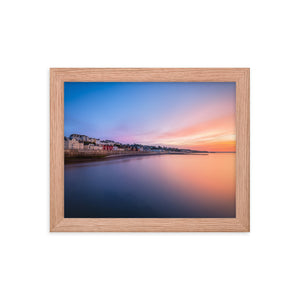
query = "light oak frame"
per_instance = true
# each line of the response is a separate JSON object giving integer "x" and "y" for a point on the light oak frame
{"x": 239, "y": 75}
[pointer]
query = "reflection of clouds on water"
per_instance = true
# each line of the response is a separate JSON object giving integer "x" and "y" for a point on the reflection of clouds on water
{"x": 152, "y": 186}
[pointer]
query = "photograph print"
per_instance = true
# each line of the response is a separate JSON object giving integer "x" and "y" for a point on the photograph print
{"x": 149, "y": 150}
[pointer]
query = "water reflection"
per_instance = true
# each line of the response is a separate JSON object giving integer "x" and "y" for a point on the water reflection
{"x": 170, "y": 186}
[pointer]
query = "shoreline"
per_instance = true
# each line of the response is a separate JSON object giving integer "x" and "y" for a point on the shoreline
{"x": 106, "y": 156}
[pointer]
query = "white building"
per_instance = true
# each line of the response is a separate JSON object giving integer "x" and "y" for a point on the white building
{"x": 93, "y": 147}
{"x": 70, "y": 144}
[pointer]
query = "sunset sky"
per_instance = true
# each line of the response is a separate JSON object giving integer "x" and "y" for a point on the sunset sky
{"x": 187, "y": 115}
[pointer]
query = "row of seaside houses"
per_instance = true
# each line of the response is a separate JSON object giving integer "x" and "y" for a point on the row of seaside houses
{"x": 83, "y": 142}
{"x": 84, "y": 138}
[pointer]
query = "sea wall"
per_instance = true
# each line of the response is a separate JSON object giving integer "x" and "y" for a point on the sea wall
{"x": 96, "y": 153}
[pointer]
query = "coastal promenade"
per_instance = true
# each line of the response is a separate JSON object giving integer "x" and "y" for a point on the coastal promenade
{"x": 75, "y": 156}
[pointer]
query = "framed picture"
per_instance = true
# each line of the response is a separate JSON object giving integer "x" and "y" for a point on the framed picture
{"x": 149, "y": 149}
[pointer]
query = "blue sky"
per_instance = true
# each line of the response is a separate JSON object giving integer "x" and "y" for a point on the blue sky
{"x": 149, "y": 112}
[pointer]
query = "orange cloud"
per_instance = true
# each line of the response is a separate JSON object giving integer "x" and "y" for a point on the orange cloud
{"x": 214, "y": 135}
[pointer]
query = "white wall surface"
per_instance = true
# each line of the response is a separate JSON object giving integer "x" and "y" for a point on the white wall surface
{"x": 37, "y": 35}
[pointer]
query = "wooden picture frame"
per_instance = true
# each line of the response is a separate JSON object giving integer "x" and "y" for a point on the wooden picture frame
{"x": 241, "y": 76}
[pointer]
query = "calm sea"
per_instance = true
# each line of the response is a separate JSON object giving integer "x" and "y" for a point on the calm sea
{"x": 160, "y": 186}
